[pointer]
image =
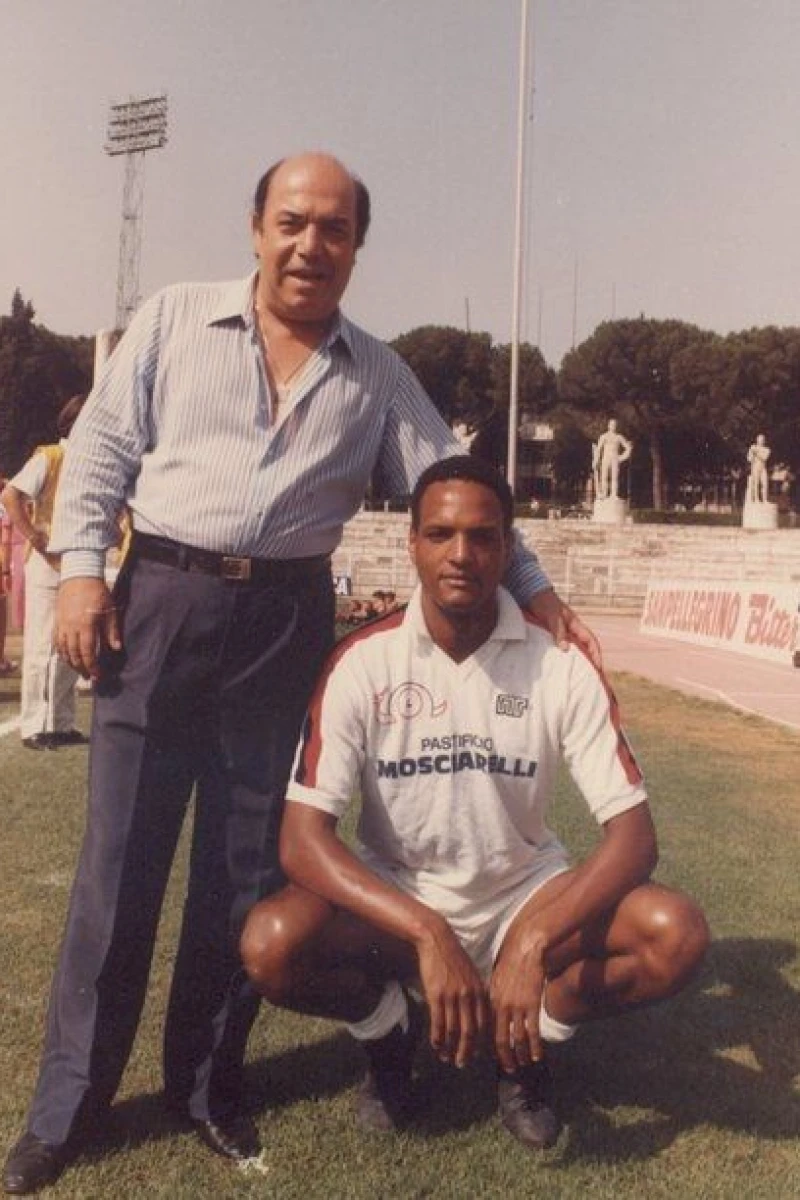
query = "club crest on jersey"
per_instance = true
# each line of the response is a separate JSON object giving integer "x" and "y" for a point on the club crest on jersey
{"x": 510, "y": 706}
{"x": 406, "y": 702}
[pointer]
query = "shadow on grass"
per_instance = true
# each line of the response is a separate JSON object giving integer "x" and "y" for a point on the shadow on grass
{"x": 311, "y": 1070}
{"x": 321, "y": 1068}
{"x": 723, "y": 1055}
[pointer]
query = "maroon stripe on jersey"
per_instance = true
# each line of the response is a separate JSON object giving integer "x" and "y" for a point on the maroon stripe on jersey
{"x": 625, "y": 754}
{"x": 308, "y": 761}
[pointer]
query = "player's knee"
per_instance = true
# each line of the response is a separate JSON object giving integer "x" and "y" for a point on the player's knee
{"x": 674, "y": 939}
{"x": 266, "y": 948}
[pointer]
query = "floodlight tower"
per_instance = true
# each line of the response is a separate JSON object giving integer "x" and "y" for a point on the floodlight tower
{"x": 513, "y": 396}
{"x": 134, "y": 127}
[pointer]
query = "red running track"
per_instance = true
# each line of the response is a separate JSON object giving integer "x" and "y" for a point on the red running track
{"x": 749, "y": 684}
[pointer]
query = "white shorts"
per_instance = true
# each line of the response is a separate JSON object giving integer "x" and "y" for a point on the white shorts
{"x": 482, "y": 929}
{"x": 483, "y": 945}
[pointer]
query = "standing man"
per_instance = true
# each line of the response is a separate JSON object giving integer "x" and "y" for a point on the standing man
{"x": 240, "y": 424}
{"x": 449, "y": 720}
{"x": 47, "y": 699}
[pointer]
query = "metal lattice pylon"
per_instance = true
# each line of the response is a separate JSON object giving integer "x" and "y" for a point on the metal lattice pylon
{"x": 130, "y": 239}
{"x": 135, "y": 126}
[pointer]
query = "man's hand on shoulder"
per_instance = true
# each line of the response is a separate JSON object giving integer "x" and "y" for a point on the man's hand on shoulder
{"x": 86, "y": 624}
{"x": 564, "y": 624}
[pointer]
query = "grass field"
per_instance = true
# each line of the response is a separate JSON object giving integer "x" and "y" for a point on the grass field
{"x": 699, "y": 1098}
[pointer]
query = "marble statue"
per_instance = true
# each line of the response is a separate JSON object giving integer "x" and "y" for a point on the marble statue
{"x": 610, "y": 449}
{"x": 758, "y": 479}
{"x": 465, "y": 435}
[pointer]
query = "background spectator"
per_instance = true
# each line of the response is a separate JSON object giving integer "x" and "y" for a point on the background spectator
{"x": 6, "y": 666}
{"x": 47, "y": 707}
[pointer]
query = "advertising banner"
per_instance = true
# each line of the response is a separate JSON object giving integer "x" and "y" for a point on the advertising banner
{"x": 750, "y": 618}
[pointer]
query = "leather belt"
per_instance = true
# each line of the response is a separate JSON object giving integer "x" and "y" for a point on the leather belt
{"x": 231, "y": 567}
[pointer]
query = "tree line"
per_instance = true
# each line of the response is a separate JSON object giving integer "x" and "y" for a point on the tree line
{"x": 691, "y": 401}
{"x": 39, "y": 371}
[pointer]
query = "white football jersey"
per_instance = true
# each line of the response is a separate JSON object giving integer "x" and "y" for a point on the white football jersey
{"x": 456, "y": 762}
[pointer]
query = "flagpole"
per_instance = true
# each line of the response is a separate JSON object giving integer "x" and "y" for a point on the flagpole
{"x": 513, "y": 400}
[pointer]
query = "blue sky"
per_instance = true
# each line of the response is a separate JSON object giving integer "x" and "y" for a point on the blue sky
{"x": 663, "y": 164}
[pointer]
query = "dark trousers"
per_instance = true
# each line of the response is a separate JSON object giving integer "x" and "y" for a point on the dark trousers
{"x": 208, "y": 694}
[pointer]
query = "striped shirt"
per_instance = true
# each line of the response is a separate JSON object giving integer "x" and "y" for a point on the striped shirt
{"x": 181, "y": 427}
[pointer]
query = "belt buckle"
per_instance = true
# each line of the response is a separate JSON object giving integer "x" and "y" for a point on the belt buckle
{"x": 236, "y": 568}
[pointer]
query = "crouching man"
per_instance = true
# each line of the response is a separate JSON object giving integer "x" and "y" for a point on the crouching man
{"x": 449, "y": 718}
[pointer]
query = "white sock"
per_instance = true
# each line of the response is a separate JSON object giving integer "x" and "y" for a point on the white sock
{"x": 552, "y": 1030}
{"x": 392, "y": 1010}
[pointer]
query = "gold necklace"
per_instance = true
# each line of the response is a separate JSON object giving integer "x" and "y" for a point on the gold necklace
{"x": 280, "y": 381}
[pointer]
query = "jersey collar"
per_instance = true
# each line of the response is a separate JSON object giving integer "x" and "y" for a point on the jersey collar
{"x": 510, "y": 625}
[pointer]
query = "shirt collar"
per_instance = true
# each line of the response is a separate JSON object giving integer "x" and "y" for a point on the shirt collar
{"x": 510, "y": 625}
{"x": 236, "y": 301}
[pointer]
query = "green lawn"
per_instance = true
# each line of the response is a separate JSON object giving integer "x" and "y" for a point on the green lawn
{"x": 699, "y": 1098}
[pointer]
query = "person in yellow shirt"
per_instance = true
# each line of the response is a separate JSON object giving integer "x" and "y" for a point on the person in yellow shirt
{"x": 47, "y": 704}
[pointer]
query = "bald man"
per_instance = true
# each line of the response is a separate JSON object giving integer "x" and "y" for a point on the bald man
{"x": 240, "y": 424}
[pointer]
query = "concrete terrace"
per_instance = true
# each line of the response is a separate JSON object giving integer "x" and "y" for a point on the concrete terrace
{"x": 592, "y": 566}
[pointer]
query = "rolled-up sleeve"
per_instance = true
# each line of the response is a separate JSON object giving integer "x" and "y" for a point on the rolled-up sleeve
{"x": 105, "y": 448}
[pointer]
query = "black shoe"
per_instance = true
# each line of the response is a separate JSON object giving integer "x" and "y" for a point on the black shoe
{"x": 39, "y": 741}
{"x": 32, "y": 1165}
{"x": 525, "y": 1102}
{"x": 232, "y": 1137}
{"x": 384, "y": 1097}
{"x": 69, "y": 737}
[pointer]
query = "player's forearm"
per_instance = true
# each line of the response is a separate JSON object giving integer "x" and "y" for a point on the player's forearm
{"x": 624, "y": 859}
{"x": 321, "y": 862}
